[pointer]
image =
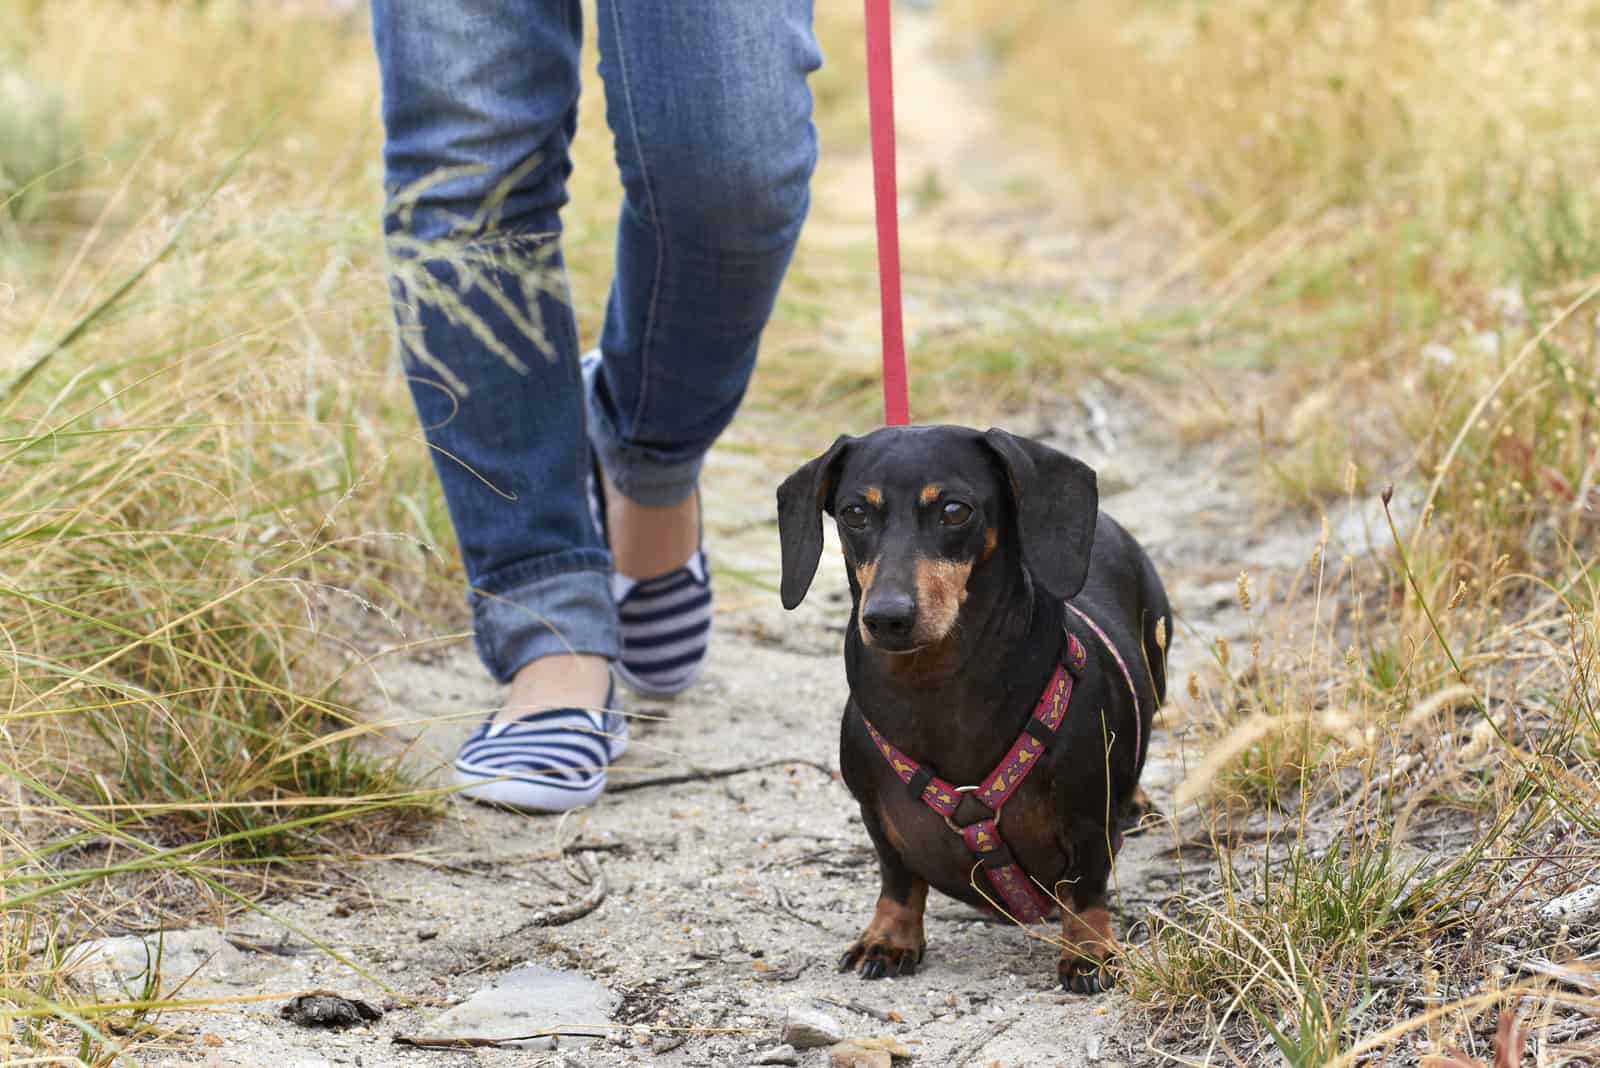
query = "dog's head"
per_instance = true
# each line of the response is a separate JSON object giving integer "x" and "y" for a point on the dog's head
{"x": 920, "y": 509}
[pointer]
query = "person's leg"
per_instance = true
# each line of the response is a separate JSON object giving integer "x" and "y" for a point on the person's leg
{"x": 712, "y": 118}
{"x": 479, "y": 107}
{"x": 711, "y": 114}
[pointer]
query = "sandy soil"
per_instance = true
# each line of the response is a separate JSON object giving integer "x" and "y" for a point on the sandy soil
{"x": 728, "y": 901}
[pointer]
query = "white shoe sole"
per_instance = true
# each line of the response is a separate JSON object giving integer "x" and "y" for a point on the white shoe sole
{"x": 525, "y": 792}
{"x": 644, "y": 689}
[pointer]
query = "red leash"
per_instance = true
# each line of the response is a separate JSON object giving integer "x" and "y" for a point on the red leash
{"x": 880, "y": 103}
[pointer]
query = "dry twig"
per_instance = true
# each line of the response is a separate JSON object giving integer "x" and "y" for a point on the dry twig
{"x": 559, "y": 915}
{"x": 712, "y": 774}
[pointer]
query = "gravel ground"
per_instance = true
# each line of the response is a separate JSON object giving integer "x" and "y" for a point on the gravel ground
{"x": 726, "y": 902}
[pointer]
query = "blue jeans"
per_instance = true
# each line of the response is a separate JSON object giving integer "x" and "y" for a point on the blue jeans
{"x": 711, "y": 115}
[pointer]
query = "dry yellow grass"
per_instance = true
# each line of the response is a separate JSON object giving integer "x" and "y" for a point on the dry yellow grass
{"x": 1246, "y": 113}
{"x": 208, "y": 453}
{"x": 1390, "y": 212}
{"x": 1345, "y": 182}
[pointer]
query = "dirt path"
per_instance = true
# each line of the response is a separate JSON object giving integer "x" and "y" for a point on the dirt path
{"x": 729, "y": 901}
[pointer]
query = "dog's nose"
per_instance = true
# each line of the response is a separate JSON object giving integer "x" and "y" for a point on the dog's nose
{"x": 890, "y": 615}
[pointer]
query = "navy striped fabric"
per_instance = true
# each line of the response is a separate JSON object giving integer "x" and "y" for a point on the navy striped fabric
{"x": 666, "y": 627}
{"x": 550, "y": 761}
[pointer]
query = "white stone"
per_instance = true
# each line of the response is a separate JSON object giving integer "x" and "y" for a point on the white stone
{"x": 116, "y": 968}
{"x": 805, "y": 1028}
{"x": 1578, "y": 907}
{"x": 531, "y": 1000}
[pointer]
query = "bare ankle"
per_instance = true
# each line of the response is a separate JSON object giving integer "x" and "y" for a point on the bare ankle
{"x": 572, "y": 680}
{"x": 648, "y": 541}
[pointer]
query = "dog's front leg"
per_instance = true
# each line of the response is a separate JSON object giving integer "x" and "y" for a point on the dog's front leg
{"x": 1088, "y": 946}
{"x": 893, "y": 942}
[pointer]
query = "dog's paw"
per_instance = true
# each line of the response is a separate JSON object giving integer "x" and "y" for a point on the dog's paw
{"x": 874, "y": 958}
{"x": 1139, "y": 814}
{"x": 1086, "y": 975}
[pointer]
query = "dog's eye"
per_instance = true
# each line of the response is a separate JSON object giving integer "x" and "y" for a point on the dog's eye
{"x": 853, "y": 516}
{"x": 955, "y": 513}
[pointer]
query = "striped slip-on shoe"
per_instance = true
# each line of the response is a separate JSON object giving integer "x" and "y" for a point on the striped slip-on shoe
{"x": 666, "y": 627}
{"x": 546, "y": 761}
{"x": 666, "y": 621}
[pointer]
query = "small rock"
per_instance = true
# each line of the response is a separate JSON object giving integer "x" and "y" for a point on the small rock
{"x": 851, "y": 1055}
{"x": 202, "y": 959}
{"x": 888, "y": 1045}
{"x": 324, "y": 1008}
{"x": 785, "y": 1054}
{"x": 805, "y": 1028}
{"x": 1576, "y": 908}
{"x": 531, "y": 1000}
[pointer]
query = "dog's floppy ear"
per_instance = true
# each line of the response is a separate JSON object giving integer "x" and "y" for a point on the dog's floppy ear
{"x": 802, "y": 499}
{"x": 1056, "y": 502}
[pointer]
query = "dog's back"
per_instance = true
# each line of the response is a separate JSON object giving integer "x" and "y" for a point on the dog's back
{"x": 1125, "y": 596}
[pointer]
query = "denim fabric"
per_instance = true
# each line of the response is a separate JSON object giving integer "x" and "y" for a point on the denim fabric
{"x": 711, "y": 118}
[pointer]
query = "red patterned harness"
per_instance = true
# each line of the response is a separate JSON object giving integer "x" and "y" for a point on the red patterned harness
{"x": 1022, "y": 899}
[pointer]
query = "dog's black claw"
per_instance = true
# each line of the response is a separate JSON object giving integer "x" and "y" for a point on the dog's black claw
{"x": 1088, "y": 980}
{"x": 872, "y": 959}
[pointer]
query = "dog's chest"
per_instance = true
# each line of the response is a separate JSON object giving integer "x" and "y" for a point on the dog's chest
{"x": 932, "y": 846}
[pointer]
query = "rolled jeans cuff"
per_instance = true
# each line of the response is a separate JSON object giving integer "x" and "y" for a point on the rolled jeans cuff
{"x": 649, "y": 476}
{"x": 553, "y": 605}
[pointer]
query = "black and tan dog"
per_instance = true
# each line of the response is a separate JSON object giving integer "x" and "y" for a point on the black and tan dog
{"x": 964, "y": 552}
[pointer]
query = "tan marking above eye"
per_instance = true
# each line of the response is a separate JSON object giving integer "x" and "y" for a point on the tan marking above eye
{"x": 874, "y": 496}
{"x": 930, "y": 493}
{"x": 991, "y": 541}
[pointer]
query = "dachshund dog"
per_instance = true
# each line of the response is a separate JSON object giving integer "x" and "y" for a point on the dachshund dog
{"x": 1006, "y": 654}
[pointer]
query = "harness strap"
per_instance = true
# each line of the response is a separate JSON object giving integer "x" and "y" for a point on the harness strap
{"x": 1003, "y": 781}
{"x": 1127, "y": 676}
{"x": 1024, "y": 901}
{"x": 935, "y": 792}
{"x": 1035, "y": 728}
